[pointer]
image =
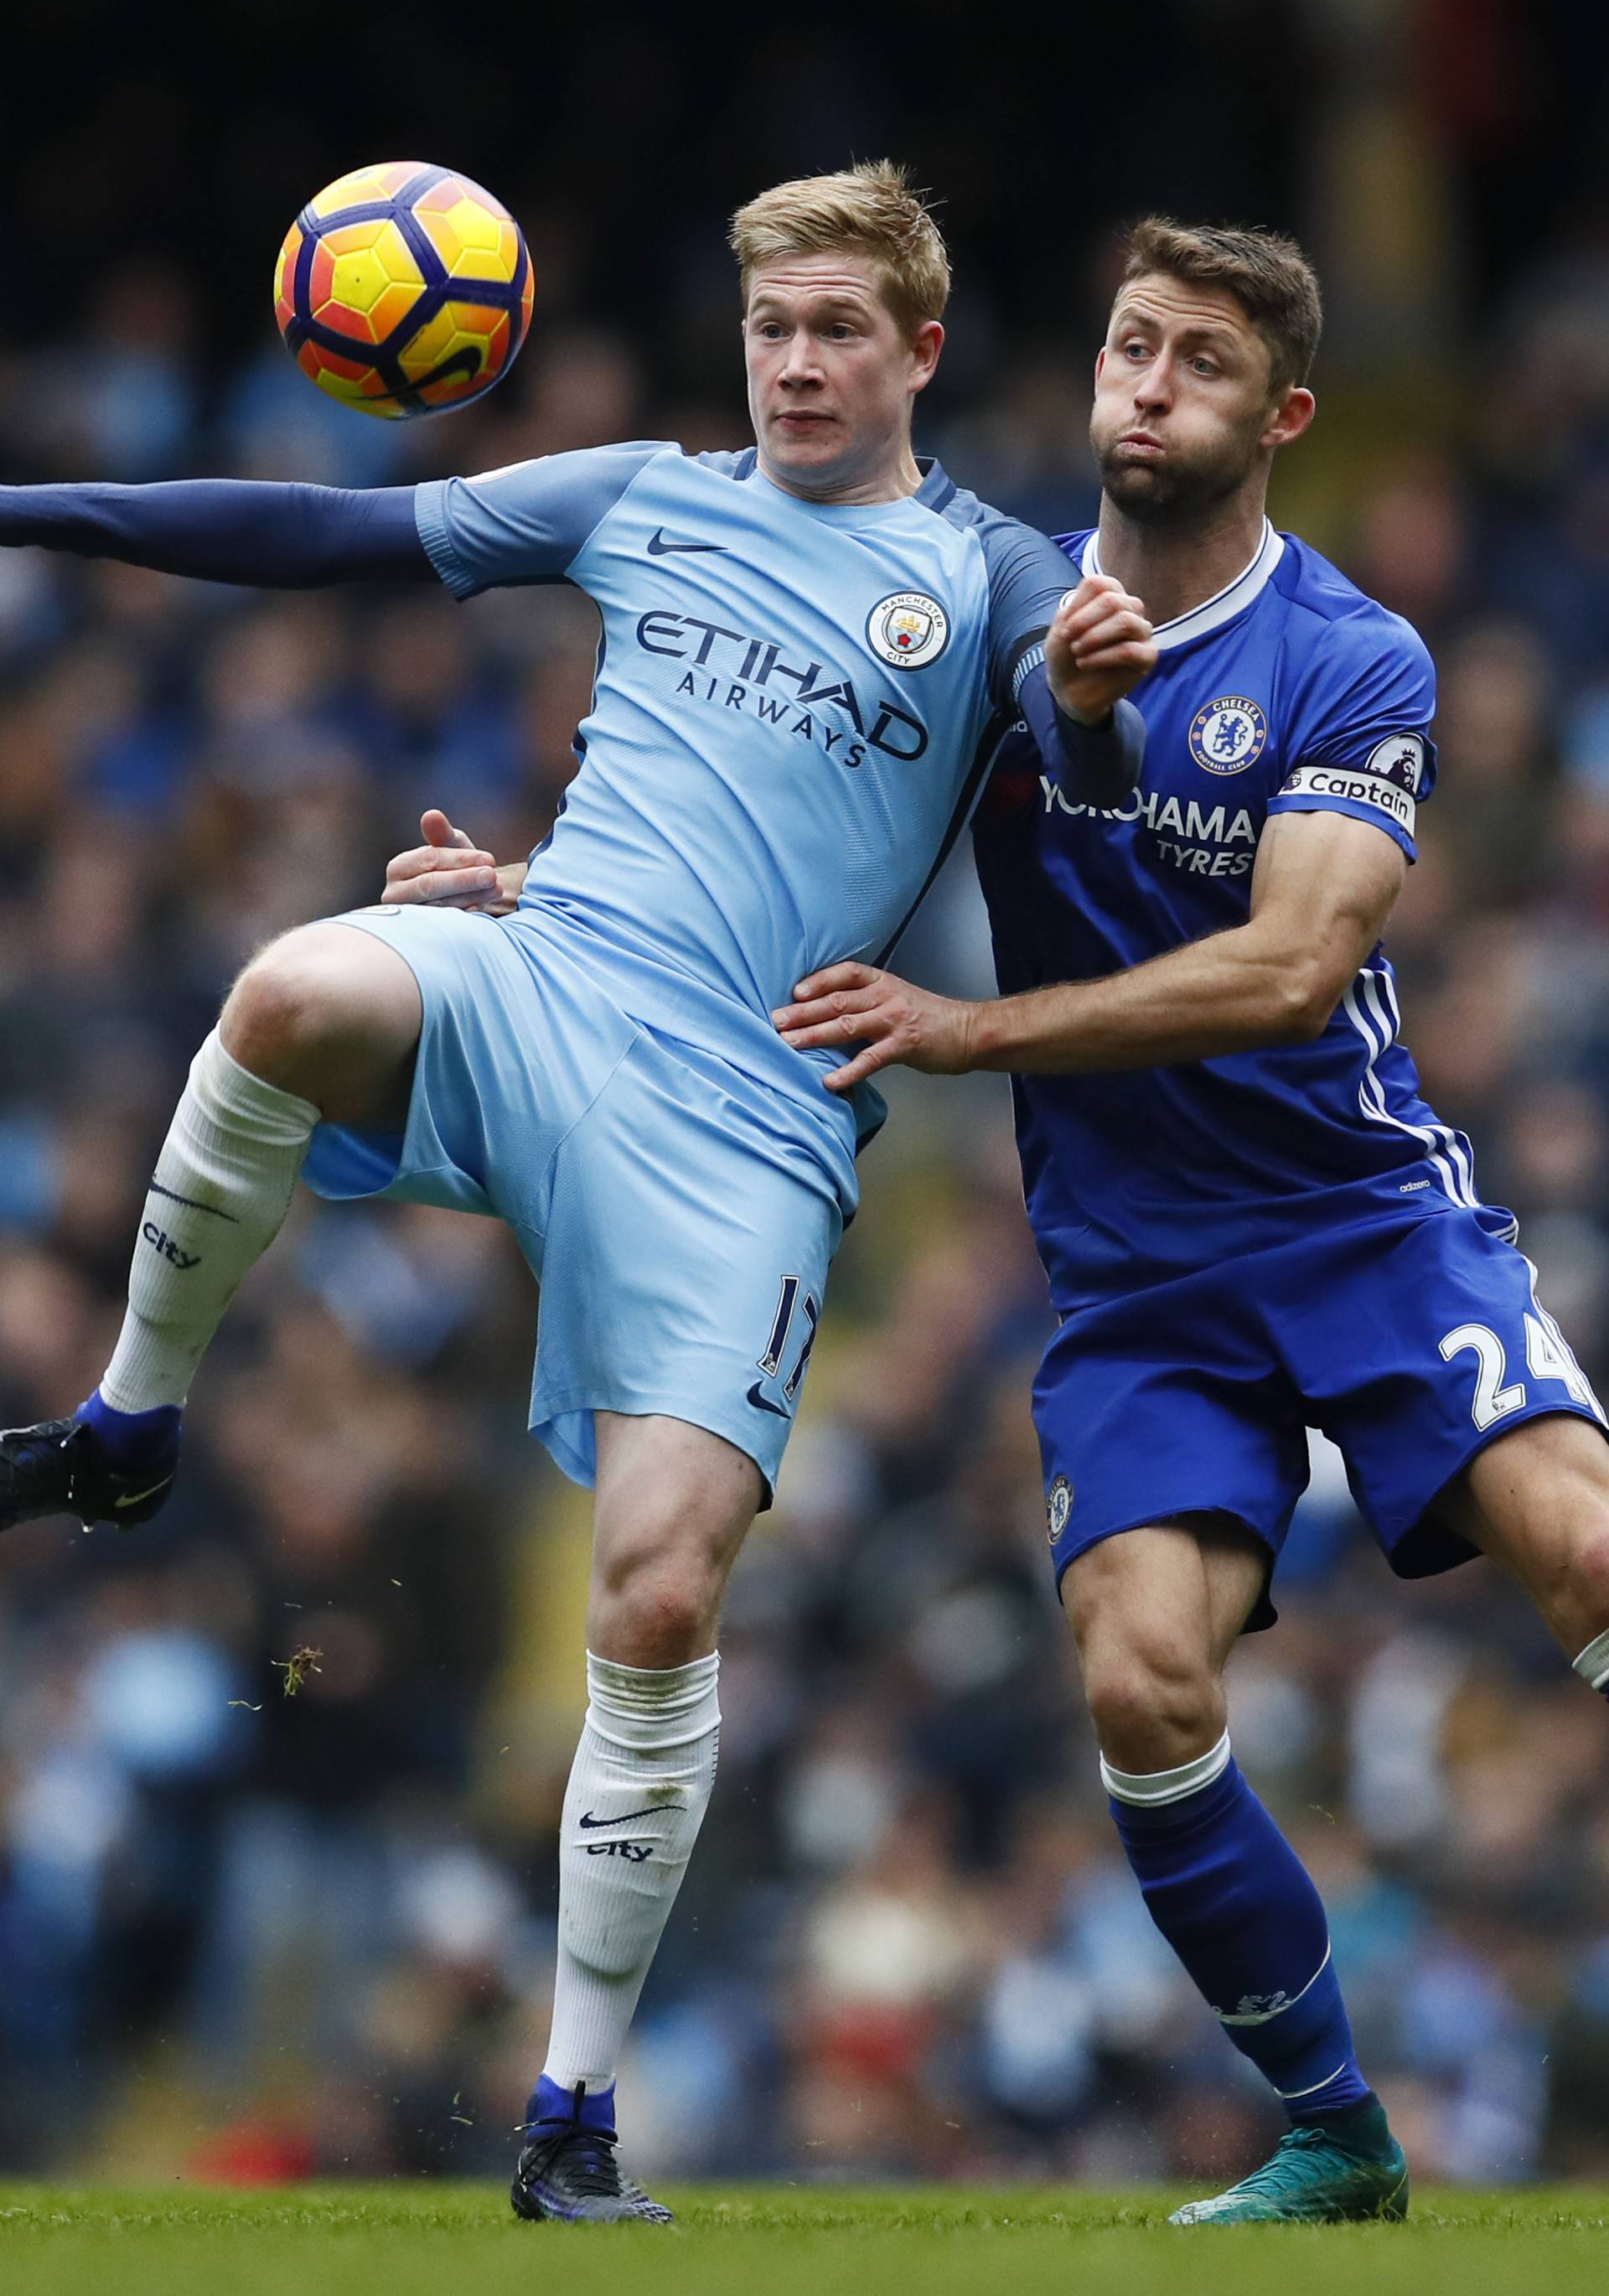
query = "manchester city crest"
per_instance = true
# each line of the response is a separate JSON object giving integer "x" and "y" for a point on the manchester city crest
{"x": 1059, "y": 1507}
{"x": 1229, "y": 734}
{"x": 908, "y": 630}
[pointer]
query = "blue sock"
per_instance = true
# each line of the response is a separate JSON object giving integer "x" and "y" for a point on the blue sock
{"x": 1232, "y": 1899}
{"x": 133, "y": 1441}
{"x": 575, "y": 2107}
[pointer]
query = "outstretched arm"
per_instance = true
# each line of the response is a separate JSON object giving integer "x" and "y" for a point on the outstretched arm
{"x": 227, "y": 529}
{"x": 1323, "y": 888}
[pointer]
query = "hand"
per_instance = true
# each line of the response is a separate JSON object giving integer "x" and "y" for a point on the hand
{"x": 1098, "y": 649}
{"x": 891, "y": 1020}
{"x": 450, "y": 872}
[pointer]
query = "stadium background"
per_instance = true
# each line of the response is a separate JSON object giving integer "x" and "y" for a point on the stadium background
{"x": 242, "y": 1934}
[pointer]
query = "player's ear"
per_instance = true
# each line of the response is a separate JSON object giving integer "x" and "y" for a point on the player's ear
{"x": 926, "y": 344}
{"x": 1292, "y": 412}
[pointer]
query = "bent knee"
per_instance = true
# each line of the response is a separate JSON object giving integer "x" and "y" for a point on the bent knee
{"x": 329, "y": 1013}
{"x": 1154, "y": 1705}
{"x": 289, "y": 999}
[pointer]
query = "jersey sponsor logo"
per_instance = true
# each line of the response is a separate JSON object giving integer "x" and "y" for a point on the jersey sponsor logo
{"x": 1357, "y": 786}
{"x": 1400, "y": 759}
{"x": 1201, "y": 841}
{"x": 1229, "y": 734}
{"x": 908, "y": 630}
{"x": 729, "y": 669}
{"x": 1059, "y": 1507}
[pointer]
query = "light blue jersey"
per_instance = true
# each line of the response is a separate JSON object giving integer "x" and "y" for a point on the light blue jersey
{"x": 796, "y": 705}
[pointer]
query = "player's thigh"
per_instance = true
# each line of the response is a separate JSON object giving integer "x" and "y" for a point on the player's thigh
{"x": 1536, "y": 1500}
{"x": 1423, "y": 1345}
{"x": 1165, "y": 1408}
{"x": 684, "y": 1264}
{"x": 331, "y": 1014}
{"x": 516, "y": 1041}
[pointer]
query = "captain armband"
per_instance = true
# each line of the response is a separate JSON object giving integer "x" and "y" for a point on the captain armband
{"x": 1388, "y": 779}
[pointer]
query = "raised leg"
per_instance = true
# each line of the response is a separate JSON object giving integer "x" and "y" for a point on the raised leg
{"x": 323, "y": 1023}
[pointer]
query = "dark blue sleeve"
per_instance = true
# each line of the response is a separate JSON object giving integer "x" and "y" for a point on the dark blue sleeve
{"x": 1028, "y": 578}
{"x": 284, "y": 538}
{"x": 1029, "y": 575}
{"x": 1093, "y": 765}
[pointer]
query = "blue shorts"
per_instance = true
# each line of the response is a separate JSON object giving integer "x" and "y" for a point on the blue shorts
{"x": 1410, "y": 1341}
{"x": 679, "y": 1223}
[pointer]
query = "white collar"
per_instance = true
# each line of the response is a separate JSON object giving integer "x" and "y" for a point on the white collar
{"x": 1213, "y": 613}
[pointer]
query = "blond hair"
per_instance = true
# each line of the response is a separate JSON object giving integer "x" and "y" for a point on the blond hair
{"x": 868, "y": 210}
{"x": 1266, "y": 273}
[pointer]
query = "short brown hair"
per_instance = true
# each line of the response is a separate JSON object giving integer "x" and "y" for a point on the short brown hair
{"x": 1263, "y": 270}
{"x": 868, "y": 209}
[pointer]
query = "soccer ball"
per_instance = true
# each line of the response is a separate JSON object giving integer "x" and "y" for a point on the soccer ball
{"x": 404, "y": 289}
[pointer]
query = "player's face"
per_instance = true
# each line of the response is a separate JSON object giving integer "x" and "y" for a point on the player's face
{"x": 831, "y": 378}
{"x": 1184, "y": 415}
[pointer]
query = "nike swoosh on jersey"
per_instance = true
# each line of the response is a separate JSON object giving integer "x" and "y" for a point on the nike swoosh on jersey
{"x": 133, "y": 1499}
{"x": 658, "y": 546}
{"x": 760, "y": 1403}
{"x": 589, "y": 1821}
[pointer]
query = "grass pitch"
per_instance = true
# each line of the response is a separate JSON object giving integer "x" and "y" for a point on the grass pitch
{"x": 438, "y": 2240}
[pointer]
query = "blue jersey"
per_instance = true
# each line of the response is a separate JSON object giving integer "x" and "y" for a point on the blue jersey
{"x": 1289, "y": 692}
{"x": 795, "y": 706}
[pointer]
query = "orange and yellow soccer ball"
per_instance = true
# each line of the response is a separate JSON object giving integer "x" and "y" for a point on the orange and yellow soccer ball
{"x": 404, "y": 289}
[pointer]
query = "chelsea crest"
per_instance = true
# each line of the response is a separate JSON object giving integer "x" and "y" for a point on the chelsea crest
{"x": 1059, "y": 1507}
{"x": 1229, "y": 734}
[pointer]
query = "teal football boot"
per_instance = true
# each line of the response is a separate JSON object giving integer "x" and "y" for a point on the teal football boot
{"x": 1320, "y": 2173}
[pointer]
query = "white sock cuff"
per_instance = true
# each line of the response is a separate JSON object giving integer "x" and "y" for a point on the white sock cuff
{"x": 645, "y": 1708}
{"x": 1593, "y": 1663}
{"x": 1152, "y": 1789}
{"x": 240, "y": 1102}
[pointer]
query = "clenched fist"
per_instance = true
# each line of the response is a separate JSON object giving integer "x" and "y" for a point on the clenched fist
{"x": 1098, "y": 649}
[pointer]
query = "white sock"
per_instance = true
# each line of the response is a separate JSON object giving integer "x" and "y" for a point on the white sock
{"x": 219, "y": 1193}
{"x": 638, "y": 1792}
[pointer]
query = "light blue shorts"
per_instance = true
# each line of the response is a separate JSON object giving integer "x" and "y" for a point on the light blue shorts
{"x": 679, "y": 1220}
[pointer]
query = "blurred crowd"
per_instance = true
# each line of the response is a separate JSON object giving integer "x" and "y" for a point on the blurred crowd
{"x": 279, "y": 1775}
